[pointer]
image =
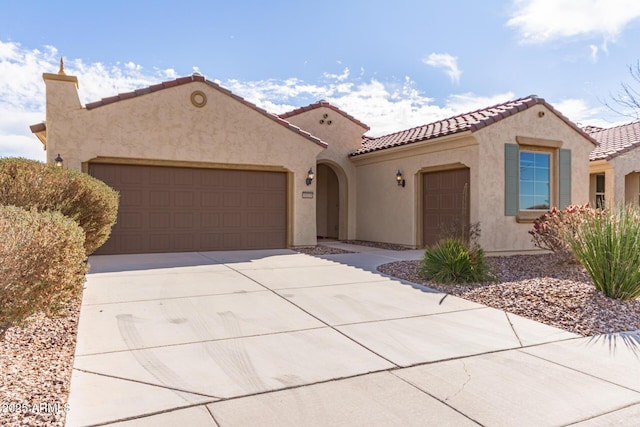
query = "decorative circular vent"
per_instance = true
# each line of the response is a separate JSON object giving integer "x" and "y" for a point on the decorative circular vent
{"x": 198, "y": 99}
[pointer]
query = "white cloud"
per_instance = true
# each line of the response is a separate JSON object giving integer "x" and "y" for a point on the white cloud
{"x": 386, "y": 106}
{"x": 594, "y": 52}
{"x": 540, "y": 21}
{"x": 447, "y": 62}
{"x": 467, "y": 102}
{"x": 578, "y": 111}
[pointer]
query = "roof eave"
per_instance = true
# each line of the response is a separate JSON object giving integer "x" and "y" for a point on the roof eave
{"x": 40, "y": 131}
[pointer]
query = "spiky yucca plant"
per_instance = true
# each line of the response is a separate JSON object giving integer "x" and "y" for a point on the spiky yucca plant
{"x": 454, "y": 261}
{"x": 607, "y": 244}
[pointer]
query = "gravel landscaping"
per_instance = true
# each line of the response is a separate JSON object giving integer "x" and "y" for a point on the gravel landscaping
{"x": 36, "y": 359}
{"x": 321, "y": 250}
{"x": 536, "y": 287}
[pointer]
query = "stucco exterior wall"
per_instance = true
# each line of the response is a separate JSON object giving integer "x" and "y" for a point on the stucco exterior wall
{"x": 343, "y": 136}
{"x": 390, "y": 213}
{"x": 624, "y": 185}
{"x": 166, "y": 126}
{"x": 502, "y": 233}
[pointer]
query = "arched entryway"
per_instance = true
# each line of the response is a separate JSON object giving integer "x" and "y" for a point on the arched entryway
{"x": 329, "y": 209}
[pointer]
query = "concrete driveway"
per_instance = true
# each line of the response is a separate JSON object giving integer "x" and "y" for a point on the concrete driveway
{"x": 278, "y": 338}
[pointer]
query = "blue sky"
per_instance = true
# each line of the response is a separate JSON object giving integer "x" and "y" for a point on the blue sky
{"x": 391, "y": 64}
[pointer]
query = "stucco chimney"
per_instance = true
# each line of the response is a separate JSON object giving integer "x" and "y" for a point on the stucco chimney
{"x": 62, "y": 91}
{"x": 63, "y": 103}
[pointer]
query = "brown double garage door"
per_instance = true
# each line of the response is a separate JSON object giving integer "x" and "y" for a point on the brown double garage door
{"x": 178, "y": 209}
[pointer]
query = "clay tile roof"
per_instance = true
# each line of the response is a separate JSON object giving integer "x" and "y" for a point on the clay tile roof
{"x": 472, "y": 122}
{"x": 319, "y": 104}
{"x": 200, "y": 78}
{"x": 615, "y": 141}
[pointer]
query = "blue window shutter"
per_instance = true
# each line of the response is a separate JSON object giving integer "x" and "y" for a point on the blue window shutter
{"x": 564, "y": 196}
{"x": 511, "y": 167}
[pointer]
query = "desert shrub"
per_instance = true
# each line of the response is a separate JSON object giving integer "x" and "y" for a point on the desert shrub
{"x": 455, "y": 261}
{"x": 607, "y": 245}
{"x": 34, "y": 185}
{"x": 42, "y": 262}
{"x": 550, "y": 231}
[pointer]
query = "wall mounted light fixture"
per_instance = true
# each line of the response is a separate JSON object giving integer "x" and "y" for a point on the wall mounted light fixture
{"x": 400, "y": 179}
{"x": 310, "y": 176}
{"x": 58, "y": 161}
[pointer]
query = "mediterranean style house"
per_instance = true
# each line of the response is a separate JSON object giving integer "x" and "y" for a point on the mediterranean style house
{"x": 199, "y": 168}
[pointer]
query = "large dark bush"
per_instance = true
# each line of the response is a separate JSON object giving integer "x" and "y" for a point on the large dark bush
{"x": 34, "y": 185}
{"x": 42, "y": 262}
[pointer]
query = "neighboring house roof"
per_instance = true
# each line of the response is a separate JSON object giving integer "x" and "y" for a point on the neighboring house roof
{"x": 325, "y": 104}
{"x": 40, "y": 127}
{"x": 614, "y": 141}
{"x": 472, "y": 121}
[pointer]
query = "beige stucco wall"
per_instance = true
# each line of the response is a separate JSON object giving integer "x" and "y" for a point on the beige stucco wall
{"x": 390, "y": 213}
{"x": 624, "y": 179}
{"x": 165, "y": 125}
{"x": 502, "y": 233}
{"x": 342, "y": 136}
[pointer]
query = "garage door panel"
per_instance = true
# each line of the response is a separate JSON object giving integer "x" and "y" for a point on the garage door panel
{"x": 164, "y": 209}
{"x": 231, "y": 240}
{"x": 160, "y": 241}
{"x": 159, "y": 199}
{"x": 209, "y": 219}
{"x": 232, "y": 200}
{"x": 183, "y": 177}
{"x": 131, "y": 220}
{"x": 184, "y": 199}
{"x": 159, "y": 220}
{"x": 183, "y": 220}
{"x": 210, "y": 199}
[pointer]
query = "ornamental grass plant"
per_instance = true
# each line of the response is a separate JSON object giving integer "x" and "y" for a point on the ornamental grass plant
{"x": 607, "y": 244}
{"x": 455, "y": 261}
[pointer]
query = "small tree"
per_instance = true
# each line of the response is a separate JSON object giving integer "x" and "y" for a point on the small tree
{"x": 627, "y": 100}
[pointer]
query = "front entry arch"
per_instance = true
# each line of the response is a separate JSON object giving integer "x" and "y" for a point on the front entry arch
{"x": 327, "y": 202}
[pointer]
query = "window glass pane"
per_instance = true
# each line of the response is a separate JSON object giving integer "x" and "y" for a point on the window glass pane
{"x": 526, "y": 202}
{"x": 542, "y": 174}
{"x": 539, "y": 202}
{"x": 535, "y": 179}
{"x": 526, "y": 173}
{"x": 599, "y": 183}
{"x": 526, "y": 188}
{"x": 541, "y": 160}
{"x": 526, "y": 159}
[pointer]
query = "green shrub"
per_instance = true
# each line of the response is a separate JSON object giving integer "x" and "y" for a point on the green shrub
{"x": 42, "y": 262}
{"x": 454, "y": 261}
{"x": 608, "y": 247}
{"x": 34, "y": 185}
{"x": 551, "y": 229}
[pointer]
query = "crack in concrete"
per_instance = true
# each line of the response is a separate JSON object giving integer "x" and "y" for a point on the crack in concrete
{"x": 462, "y": 387}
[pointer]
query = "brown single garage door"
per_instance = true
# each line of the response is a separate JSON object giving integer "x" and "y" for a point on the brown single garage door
{"x": 175, "y": 209}
{"x": 445, "y": 203}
